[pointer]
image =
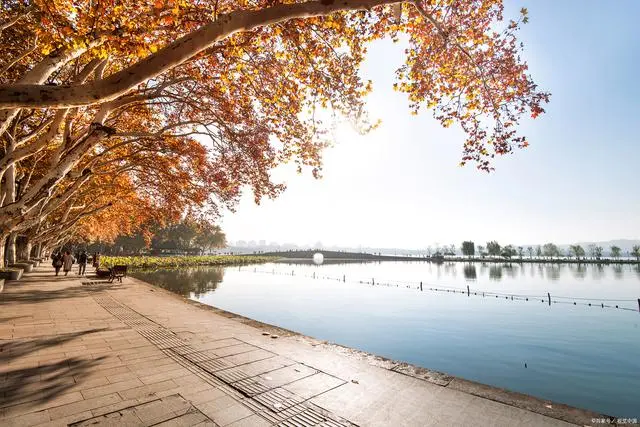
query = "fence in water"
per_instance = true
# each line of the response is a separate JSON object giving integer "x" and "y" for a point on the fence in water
{"x": 616, "y": 304}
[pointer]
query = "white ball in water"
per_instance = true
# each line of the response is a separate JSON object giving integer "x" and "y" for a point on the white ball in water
{"x": 318, "y": 258}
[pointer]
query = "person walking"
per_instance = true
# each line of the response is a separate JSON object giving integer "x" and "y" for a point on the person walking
{"x": 57, "y": 262}
{"x": 67, "y": 262}
{"x": 82, "y": 263}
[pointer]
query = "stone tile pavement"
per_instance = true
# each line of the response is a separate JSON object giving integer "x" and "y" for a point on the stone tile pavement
{"x": 84, "y": 352}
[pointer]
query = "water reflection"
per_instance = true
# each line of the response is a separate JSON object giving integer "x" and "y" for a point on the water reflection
{"x": 553, "y": 271}
{"x": 618, "y": 272}
{"x": 510, "y": 270}
{"x": 325, "y": 261}
{"x": 495, "y": 272}
{"x": 200, "y": 280}
{"x": 579, "y": 271}
{"x": 515, "y": 270}
{"x": 450, "y": 269}
{"x": 197, "y": 280}
{"x": 470, "y": 272}
{"x": 597, "y": 272}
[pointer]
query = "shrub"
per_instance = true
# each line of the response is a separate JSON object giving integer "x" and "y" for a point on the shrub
{"x": 151, "y": 262}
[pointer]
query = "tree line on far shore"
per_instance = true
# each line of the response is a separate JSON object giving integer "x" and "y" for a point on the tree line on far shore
{"x": 189, "y": 236}
{"x": 546, "y": 251}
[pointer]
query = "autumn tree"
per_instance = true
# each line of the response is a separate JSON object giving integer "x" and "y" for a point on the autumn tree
{"x": 209, "y": 237}
{"x": 127, "y": 86}
{"x": 131, "y": 244}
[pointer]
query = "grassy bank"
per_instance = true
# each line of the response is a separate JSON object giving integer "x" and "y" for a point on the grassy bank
{"x": 153, "y": 262}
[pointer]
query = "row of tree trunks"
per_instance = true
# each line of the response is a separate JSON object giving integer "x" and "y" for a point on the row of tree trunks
{"x": 15, "y": 248}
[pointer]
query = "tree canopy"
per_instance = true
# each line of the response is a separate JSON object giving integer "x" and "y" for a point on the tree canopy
{"x": 493, "y": 248}
{"x": 577, "y": 251}
{"x": 468, "y": 248}
{"x": 114, "y": 113}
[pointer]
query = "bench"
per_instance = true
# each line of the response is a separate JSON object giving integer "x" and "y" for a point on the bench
{"x": 117, "y": 272}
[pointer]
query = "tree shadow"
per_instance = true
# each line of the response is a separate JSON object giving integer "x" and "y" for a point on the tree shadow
{"x": 9, "y": 319}
{"x": 36, "y": 385}
{"x": 31, "y": 296}
{"x": 17, "y": 348}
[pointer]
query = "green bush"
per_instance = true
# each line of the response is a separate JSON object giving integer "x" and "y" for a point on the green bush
{"x": 156, "y": 262}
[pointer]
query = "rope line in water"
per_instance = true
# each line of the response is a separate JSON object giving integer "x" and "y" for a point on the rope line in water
{"x": 596, "y": 302}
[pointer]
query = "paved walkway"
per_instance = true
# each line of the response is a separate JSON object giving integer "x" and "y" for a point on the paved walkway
{"x": 82, "y": 352}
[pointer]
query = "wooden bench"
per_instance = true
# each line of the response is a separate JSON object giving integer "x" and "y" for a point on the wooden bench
{"x": 117, "y": 272}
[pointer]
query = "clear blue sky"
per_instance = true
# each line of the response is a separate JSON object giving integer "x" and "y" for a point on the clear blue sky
{"x": 400, "y": 185}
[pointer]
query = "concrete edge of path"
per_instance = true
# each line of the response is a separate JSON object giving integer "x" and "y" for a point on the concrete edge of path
{"x": 547, "y": 408}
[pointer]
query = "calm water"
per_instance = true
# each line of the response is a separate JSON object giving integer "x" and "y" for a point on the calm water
{"x": 585, "y": 356}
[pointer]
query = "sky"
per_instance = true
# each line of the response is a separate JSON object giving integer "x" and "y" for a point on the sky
{"x": 401, "y": 186}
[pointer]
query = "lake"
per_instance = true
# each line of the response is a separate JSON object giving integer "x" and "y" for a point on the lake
{"x": 582, "y": 355}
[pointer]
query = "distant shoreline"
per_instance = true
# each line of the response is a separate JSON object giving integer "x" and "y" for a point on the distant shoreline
{"x": 303, "y": 256}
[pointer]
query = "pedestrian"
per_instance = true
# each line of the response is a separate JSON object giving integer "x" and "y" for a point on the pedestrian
{"x": 57, "y": 261}
{"x": 67, "y": 262}
{"x": 96, "y": 260}
{"x": 82, "y": 263}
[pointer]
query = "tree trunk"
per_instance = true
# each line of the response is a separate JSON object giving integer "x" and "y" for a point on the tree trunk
{"x": 20, "y": 246}
{"x": 11, "y": 255}
{"x": 27, "y": 249}
{"x": 3, "y": 243}
{"x": 38, "y": 253}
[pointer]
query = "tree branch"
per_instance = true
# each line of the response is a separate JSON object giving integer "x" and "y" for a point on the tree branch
{"x": 176, "y": 53}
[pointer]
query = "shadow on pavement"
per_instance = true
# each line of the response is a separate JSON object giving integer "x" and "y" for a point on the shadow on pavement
{"x": 35, "y": 385}
{"x": 30, "y": 296}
